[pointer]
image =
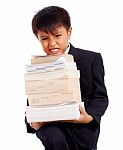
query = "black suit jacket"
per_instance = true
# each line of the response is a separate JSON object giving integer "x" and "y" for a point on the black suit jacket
{"x": 93, "y": 93}
{"x": 93, "y": 90}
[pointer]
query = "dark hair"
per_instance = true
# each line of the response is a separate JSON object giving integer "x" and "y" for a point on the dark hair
{"x": 49, "y": 18}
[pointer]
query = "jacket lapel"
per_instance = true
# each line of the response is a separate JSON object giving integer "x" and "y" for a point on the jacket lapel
{"x": 73, "y": 51}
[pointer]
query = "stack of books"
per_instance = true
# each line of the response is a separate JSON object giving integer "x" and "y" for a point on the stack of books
{"x": 53, "y": 89}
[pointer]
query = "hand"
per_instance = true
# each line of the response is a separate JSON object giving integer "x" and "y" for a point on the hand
{"x": 84, "y": 117}
{"x": 37, "y": 125}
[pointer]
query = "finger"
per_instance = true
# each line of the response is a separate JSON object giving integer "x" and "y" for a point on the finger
{"x": 81, "y": 109}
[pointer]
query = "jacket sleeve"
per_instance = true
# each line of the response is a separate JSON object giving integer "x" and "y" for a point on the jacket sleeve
{"x": 28, "y": 127}
{"x": 99, "y": 102}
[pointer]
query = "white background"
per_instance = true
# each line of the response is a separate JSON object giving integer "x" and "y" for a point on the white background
{"x": 97, "y": 26}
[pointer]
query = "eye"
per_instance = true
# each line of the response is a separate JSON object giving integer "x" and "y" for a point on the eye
{"x": 43, "y": 39}
{"x": 58, "y": 35}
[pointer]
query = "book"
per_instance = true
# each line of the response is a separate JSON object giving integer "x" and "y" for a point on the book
{"x": 65, "y": 111}
{"x": 59, "y": 73}
{"x": 53, "y": 98}
{"x": 51, "y": 86}
{"x": 49, "y": 58}
{"x": 46, "y": 67}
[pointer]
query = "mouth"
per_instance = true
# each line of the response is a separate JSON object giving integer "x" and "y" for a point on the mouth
{"x": 54, "y": 51}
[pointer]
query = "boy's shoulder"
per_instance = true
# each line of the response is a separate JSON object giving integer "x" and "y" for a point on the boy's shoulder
{"x": 83, "y": 51}
{"x": 87, "y": 52}
{"x": 84, "y": 55}
{"x": 88, "y": 55}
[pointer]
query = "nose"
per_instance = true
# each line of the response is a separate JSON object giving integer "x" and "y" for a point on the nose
{"x": 52, "y": 42}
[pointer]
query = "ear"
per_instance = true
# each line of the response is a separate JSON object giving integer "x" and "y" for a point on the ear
{"x": 69, "y": 32}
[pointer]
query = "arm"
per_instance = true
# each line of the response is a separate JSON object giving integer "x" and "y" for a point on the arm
{"x": 97, "y": 104}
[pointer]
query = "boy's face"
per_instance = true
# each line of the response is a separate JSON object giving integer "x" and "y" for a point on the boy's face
{"x": 55, "y": 43}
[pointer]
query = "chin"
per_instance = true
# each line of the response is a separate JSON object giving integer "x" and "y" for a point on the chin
{"x": 55, "y": 54}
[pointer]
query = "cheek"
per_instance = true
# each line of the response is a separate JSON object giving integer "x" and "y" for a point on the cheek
{"x": 44, "y": 46}
{"x": 64, "y": 41}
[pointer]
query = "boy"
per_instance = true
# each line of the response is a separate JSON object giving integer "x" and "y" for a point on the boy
{"x": 52, "y": 27}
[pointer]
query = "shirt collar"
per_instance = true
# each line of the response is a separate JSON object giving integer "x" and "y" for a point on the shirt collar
{"x": 67, "y": 50}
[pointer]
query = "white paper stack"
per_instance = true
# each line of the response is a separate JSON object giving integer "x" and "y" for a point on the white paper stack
{"x": 52, "y": 113}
